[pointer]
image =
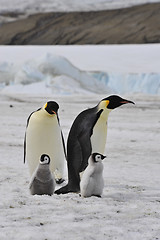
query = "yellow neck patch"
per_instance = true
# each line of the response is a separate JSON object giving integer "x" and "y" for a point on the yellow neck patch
{"x": 45, "y": 106}
{"x": 103, "y": 104}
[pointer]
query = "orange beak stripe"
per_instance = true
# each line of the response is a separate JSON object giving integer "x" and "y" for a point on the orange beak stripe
{"x": 54, "y": 112}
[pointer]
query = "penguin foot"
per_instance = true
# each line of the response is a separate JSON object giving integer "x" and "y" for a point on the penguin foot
{"x": 67, "y": 189}
{"x": 99, "y": 196}
{"x": 60, "y": 180}
{"x": 62, "y": 190}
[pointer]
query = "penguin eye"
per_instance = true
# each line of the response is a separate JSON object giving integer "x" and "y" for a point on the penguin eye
{"x": 98, "y": 157}
{"x": 45, "y": 158}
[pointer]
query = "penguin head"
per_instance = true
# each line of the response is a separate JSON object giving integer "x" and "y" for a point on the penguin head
{"x": 114, "y": 101}
{"x": 97, "y": 157}
{"x": 51, "y": 107}
{"x": 44, "y": 159}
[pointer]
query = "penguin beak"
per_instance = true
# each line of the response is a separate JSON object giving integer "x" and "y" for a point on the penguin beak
{"x": 53, "y": 112}
{"x": 103, "y": 157}
{"x": 126, "y": 101}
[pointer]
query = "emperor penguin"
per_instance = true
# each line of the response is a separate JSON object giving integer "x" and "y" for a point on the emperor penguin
{"x": 43, "y": 135}
{"x": 87, "y": 135}
{"x": 92, "y": 182}
{"x": 42, "y": 181}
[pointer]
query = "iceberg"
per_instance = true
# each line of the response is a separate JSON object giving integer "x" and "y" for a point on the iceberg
{"x": 62, "y": 77}
{"x": 7, "y": 73}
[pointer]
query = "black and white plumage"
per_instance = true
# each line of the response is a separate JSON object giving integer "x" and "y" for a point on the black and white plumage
{"x": 44, "y": 135}
{"x": 42, "y": 181}
{"x": 88, "y": 134}
{"x": 92, "y": 182}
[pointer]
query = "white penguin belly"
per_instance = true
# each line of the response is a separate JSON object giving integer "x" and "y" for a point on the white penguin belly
{"x": 43, "y": 136}
{"x": 99, "y": 185}
{"x": 99, "y": 136}
{"x": 91, "y": 183}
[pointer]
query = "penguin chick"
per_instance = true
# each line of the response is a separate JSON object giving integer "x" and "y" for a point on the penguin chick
{"x": 42, "y": 181}
{"x": 92, "y": 183}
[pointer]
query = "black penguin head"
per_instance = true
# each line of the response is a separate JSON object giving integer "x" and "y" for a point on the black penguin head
{"x": 97, "y": 157}
{"x": 115, "y": 101}
{"x": 44, "y": 159}
{"x": 51, "y": 107}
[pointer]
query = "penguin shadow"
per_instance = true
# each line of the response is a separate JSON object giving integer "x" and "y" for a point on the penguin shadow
{"x": 97, "y": 196}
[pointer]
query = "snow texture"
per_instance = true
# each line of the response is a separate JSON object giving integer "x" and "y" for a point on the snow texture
{"x": 129, "y": 207}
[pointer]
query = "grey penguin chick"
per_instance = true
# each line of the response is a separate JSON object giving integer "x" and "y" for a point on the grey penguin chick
{"x": 42, "y": 181}
{"x": 92, "y": 182}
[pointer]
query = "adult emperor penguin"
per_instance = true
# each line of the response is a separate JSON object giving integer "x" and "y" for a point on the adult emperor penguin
{"x": 42, "y": 181}
{"x": 43, "y": 135}
{"x": 87, "y": 135}
{"x": 92, "y": 182}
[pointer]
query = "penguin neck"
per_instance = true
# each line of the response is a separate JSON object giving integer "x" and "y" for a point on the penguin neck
{"x": 96, "y": 167}
{"x": 106, "y": 111}
{"x": 46, "y": 113}
{"x": 99, "y": 134}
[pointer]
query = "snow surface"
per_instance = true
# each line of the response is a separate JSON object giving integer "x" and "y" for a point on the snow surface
{"x": 23, "y": 8}
{"x": 75, "y": 69}
{"x": 129, "y": 207}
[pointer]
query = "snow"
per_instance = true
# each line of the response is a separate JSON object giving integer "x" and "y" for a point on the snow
{"x": 129, "y": 207}
{"x": 95, "y": 69}
{"x": 24, "y": 8}
{"x": 70, "y": 5}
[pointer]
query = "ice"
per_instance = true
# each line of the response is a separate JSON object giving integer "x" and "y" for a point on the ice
{"x": 28, "y": 74}
{"x": 57, "y": 65}
{"x": 59, "y": 75}
{"x": 7, "y": 73}
{"x": 148, "y": 83}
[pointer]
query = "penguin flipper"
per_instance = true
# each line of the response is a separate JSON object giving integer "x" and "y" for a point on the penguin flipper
{"x": 31, "y": 183}
{"x": 25, "y": 147}
{"x": 64, "y": 145}
{"x": 86, "y": 148}
{"x": 84, "y": 139}
{"x": 86, "y": 187}
{"x": 62, "y": 138}
{"x": 25, "y": 134}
